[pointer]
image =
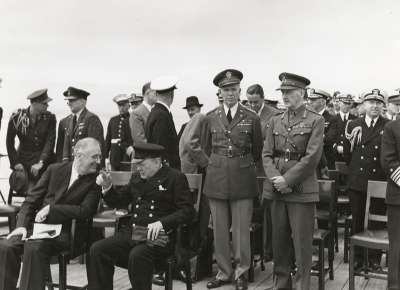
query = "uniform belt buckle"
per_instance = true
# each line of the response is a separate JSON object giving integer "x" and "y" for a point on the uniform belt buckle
{"x": 287, "y": 155}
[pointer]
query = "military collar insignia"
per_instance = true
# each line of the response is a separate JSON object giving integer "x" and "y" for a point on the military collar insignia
{"x": 161, "y": 187}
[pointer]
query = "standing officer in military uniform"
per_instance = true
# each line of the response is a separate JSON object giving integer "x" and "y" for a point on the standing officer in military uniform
{"x": 118, "y": 139}
{"x": 341, "y": 144}
{"x": 390, "y": 161}
{"x": 81, "y": 123}
{"x": 365, "y": 135}
{"x": 36, "y": 131}
{"x": 292, "y": 150}
{"x": 160, "y": 199}
{"x": 233, "y": 142}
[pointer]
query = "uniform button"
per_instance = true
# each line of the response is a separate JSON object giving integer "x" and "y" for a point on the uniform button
{"x": 73, "y": 140}
{"x": 135, "y": 215}
{"x": 133, "y": 225}
{"x": 150, "y": 215}
{"x": 137, "y": 206}
{"x": 341, "y": 142}
{"x": 376, "y": 146}
{"x": 289, "y": 129}
{"x": 361, "y": 169}
{"x": 152, "y": 201}
{"x": 362, "y": 146}
{"x": 139, "y": 198}
{"x": 374, "y": 158}
{"x": 362, "y": 157}
{"x": 373, "y": 170}
{"x": 229, "y": 132}
{"x": 152, "y": 207}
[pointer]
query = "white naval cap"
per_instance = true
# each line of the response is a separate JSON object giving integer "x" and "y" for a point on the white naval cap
{"x": 164, "y": 83}
{"x": 121, "y": 98}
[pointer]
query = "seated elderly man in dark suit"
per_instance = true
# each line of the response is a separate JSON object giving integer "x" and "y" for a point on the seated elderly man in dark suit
{"x": 65, "y": 191}
{"x": 160, "y": 200}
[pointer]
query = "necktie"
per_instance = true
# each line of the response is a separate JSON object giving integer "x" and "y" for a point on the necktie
{"x": 345, "y": 119}
{"x": 229, "y": 116}
{"x": 372, "y": 123}
{"x": 74, "y": 122}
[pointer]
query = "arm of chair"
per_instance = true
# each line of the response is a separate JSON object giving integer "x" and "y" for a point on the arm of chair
{"x": 121, "y": 221}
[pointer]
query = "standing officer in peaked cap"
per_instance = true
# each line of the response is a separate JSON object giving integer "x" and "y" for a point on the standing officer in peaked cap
{"x": 233, "y": 143}
{"x": 160, "y": 127}
{"x": 81, "y": 123}
{"x": 36, "y": 131}
{"x": 365, "y": 137}
{"x": 118, "y": 139}
{"x": 291, "y": 153}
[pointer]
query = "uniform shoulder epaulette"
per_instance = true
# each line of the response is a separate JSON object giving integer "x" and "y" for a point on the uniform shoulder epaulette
{"x": 249, "y": 111}
{"x": 212, "y": 111}
{"x": 17, "y": 112}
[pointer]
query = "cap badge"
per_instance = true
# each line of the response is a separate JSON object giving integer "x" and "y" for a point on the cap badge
{"x": 228, "y": 75}
{"x": 375, "y": 92}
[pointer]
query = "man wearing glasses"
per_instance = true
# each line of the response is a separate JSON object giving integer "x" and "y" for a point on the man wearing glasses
{"x": 35, "y": 128}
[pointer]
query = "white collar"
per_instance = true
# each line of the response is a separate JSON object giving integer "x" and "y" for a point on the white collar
{"x": 321, "y": 112}
{"x": 147, "y": 105}
{"x": 260, "y": 110}
{"x": 165, "y": 105}
{"x": 74, "y": 175}
{"x": 368, "y": 120}
{"x": 233, "y": 109}
{"x": 344, "y": 116}
{"x": 78, "y": 114}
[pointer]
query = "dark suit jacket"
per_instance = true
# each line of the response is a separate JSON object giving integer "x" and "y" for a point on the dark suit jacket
{"x": 365, "y": 157}
{"x": 88, "y": 125}
{"x": 160, "y": 129}
{"x": 77, "y": 202}
{"x": 164, "y": 197}
{"x": 329, "y": 139}
{"x": 62, "y": 128}
{"x": 390, "y": 159}
{"x": 338, "y": 137}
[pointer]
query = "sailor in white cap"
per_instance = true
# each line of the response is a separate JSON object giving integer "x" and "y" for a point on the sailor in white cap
{"x": 160, "y": 127}
{"x": 118, "y": 146}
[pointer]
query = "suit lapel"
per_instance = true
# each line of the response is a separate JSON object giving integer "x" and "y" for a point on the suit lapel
{"x": 222, "y": 116}
{"x": 64, "y": 176}
{"x": 376, "y": 130}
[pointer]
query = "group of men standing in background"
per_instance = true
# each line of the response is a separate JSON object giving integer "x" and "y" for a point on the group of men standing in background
{"x": 231, "y": 146}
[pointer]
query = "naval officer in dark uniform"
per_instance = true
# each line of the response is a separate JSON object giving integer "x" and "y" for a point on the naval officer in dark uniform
{"x": 36, "y": 131}
{"x": 81, "y": 123}
{"x": 292, "y": 150}
{"x": 118, "y": 139}
{"x": 390, "y": 161}
{"x": 233, "y": 144}
{"x": 365, "y": 135}
{"x": 160, "y": 199}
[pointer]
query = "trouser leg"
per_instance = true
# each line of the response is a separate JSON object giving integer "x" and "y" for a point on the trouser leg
{"x": 242, "y": 211}
{"x": 267, "y": 232}
{"x": 10, "y": 263}
{"x": 301, "y": 218}
{"x": 221, "y": 224}
{"x": 281, "y": 245}
{"x": 357, "y": 204}
{"x": 103, "y": 256}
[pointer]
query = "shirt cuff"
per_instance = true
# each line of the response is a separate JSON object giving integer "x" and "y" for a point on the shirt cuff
{"x": 395, "y": 176}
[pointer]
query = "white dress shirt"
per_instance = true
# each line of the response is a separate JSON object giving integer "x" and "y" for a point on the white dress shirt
{"x": 344, "y": 116}
{"x": 369, "y": 119}
{"x": 74, "y": 176}
{"x": 260, "y": 110}
{"x": 147, "y": 105}
{"x": 233, "y": 110}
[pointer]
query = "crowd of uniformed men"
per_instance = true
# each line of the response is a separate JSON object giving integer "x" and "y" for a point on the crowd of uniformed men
{"x": 290, "y": 146}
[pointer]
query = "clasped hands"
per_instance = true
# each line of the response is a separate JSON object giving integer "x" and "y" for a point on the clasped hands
{"x": 280, "y": 184}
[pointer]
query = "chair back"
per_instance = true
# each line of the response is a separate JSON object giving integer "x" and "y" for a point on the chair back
{"x": 327, "y": 197}
{"x": 195, "y": 182}
{"x": 120, "y": 178}
{"x": 375, "y": 189}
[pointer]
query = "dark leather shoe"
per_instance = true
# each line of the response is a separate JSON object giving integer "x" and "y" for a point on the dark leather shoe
{"x": 216, "y": 283}
{"x": 158, "y": 279}
{"x": 241, "y": 283}
{"x": 181, "y": 275}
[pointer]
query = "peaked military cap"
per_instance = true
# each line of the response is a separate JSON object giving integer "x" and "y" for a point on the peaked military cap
{"x": 40, "y": 96}
{"x": 374, "y": 95}
{"x": 345, "y": 98}
{"x": 395, "y": 99}
{"x": 228, "y": 77}
{"x": 317, "y": 94}
{"x": 146, "y": 150}
{"x": 292, "y": 81}
{"x": 73, "y": 93}
{"x": 121, "y": 98}
{"x": 164, "y": 84}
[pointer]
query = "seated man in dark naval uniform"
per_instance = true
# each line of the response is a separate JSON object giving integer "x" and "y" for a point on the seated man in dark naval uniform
{"x": 160, "y": 200}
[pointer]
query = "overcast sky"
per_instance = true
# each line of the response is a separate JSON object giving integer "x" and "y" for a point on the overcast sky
{"x": 111, "y": 47}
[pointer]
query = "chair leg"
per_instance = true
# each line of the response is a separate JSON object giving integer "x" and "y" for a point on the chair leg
{"x": 251, "y": 269}
{"x": 331, "y": 255}
{"x": 168, "y": 274}
{"x": 351, "y": 267}
{"x": 62, "y": 270}
{"x": 346, "y": 241}
{"x": 49, "y": 279}
{"x": 335, "y": 229}
{"x": 12, "y": 222}
{"x": 321, "y": 274}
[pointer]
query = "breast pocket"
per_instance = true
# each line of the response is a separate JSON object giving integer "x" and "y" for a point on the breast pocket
{"x": 217, "y": 135}
{"x": 300, "y": 137}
